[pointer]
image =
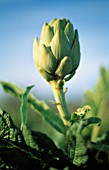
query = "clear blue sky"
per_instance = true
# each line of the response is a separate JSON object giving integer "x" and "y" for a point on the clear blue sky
{"x": 22, "y": 20}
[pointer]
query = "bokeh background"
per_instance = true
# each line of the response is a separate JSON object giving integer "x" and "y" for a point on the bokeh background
{"x": 22, "y": 20}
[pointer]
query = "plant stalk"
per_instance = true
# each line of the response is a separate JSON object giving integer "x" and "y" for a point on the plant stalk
{"x": 58, "y": 90}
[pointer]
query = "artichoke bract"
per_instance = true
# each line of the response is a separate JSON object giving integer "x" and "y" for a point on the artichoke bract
{"x": 57, "y": 55}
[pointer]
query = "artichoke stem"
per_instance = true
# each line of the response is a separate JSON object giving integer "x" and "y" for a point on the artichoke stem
{"x": 59, "y": 95}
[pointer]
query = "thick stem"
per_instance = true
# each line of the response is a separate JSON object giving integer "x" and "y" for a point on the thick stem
{"x": 57, "y": 87}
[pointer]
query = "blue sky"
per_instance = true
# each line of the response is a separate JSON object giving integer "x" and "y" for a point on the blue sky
{"x": 22, "y": 20}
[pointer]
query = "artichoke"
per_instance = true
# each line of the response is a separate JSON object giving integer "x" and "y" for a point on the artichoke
{"x": 57, "y": 55}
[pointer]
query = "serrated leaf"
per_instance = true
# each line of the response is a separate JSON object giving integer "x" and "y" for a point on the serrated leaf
{"x": 40, "y": 106}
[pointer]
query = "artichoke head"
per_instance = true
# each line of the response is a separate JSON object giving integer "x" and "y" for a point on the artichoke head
{"x": 57, "y": 55}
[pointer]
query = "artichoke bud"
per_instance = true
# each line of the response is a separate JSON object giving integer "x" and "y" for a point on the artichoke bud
{"x": 58, "y": 53}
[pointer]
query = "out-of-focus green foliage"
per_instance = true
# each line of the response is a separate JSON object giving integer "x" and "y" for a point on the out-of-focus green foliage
{"x": 103, "y": 142}
{"x": 43, "y": 109}
{"x": 98, "y": 99}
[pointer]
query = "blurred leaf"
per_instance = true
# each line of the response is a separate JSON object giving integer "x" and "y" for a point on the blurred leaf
{"x": 104, "y": 138}
{"x": 98, "y": 99}
{"x": 53, "y": 119}
{"x": 40, "y": 106}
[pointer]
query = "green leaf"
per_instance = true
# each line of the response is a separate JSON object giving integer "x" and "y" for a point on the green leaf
{"x": 40, "y": 106}
{"x": 80, "y": 154}
{"x": 76, "y": 144}
{"x": 18, "y": 157}
{"x": 75, "y": 141}
{"x": 48, "y": 115}
{"x": 38, "y": 140}
{"x": 91, "y": 120}
{"x": 21, "y": 157}
{"x": 18, "y": 148}
{"x": 8, "y": 130}
{"x": 24, "y": 105}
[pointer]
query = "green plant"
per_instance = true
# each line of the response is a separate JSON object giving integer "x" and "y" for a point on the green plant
{"x": 83, "y": 145}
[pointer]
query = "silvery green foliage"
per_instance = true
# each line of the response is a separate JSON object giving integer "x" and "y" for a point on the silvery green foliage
{"x": 57, "y": 54}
